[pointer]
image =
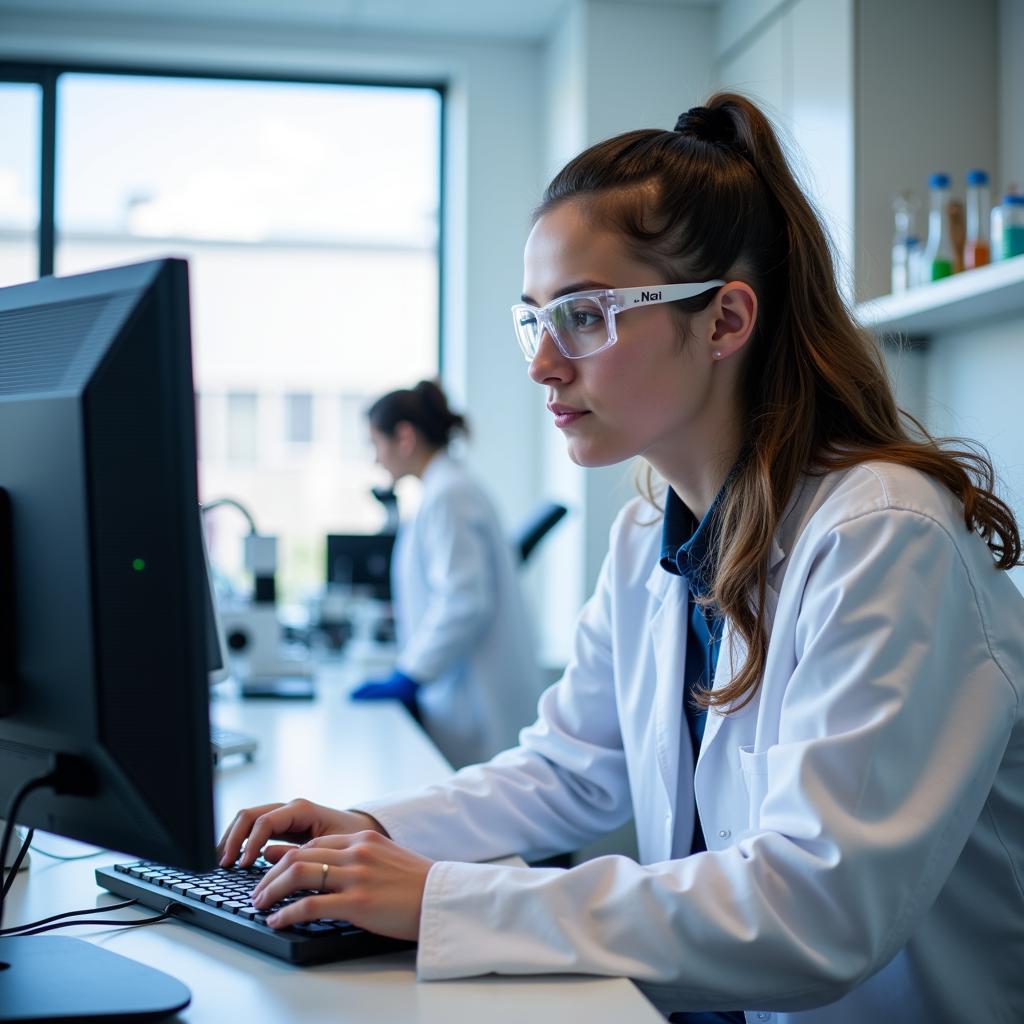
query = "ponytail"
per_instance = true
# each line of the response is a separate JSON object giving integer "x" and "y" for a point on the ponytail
{"x": 715, "y": 198}
{"x": 425, "y": 407}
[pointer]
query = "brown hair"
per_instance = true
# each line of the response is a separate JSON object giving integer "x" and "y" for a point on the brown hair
{"x": 425, "y": 407}
{"x": 716, "y": 199}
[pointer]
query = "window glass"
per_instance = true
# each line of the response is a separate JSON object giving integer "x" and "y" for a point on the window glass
{"x": 299, "y": 418}
{"x": 309, "y": 216}
{"x": 20, "y": 121}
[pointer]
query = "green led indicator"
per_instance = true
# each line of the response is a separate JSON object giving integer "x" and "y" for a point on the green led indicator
{"x": 138, "y": 564}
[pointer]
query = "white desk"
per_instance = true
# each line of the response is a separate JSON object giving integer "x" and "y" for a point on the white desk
{"x": 338, "y": 753}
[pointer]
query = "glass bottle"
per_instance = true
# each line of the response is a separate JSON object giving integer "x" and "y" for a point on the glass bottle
{"x": 977, "y": 251}
{"x": 903, "y": 207}
{"x": 1013, "y": 226}
{"x": 938, "y": 254}
{"x": 996, "y": 223}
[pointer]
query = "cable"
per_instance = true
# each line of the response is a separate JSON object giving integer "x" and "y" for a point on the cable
{"x": 68, "y": 913}
{"x": 12, "y": 810}
{"x": 16, "y": 866}
{"x": 63, "y": 856}
{"x": 68, "y": 775}
{"x": 163, "y": 916}
{"x": 217, "y": 502}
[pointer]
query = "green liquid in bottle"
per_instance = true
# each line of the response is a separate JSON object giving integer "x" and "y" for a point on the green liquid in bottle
{"x": 941, "y": 268}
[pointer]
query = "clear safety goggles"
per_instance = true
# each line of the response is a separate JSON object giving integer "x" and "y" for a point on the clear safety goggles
{"x": 583, "y": 323}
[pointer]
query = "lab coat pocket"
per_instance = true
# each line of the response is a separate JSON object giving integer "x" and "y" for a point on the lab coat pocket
{"x": 755, "y": 778}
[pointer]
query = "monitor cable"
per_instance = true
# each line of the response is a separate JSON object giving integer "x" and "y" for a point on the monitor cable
{"x": 68, "y": 775}
{"x": 46, "y": 925}
{"x": 9, "y": 818}
{"x": 16, "y": 866}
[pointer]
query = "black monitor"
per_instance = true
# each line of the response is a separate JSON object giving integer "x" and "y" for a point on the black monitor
{"x": 361, "y": 561}
{"x": 103, "y": 635}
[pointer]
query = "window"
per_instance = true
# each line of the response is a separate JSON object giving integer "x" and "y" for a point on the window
{"x": 298, "y": 418}
{"x": 243, "y": 427}
{"x": 308, "y": 213}
{"x": 20, "y": 126}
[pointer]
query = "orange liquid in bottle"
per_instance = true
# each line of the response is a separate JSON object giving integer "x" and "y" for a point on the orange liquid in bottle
{"x": 976, "y": 254}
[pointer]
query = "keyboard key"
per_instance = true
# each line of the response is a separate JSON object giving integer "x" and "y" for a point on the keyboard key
{"x": 314, "y": 928}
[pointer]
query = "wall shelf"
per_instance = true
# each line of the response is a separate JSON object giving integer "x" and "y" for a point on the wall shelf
{"x": 961, "y": 301}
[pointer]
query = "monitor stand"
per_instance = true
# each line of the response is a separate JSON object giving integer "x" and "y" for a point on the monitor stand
{"x": 44, "y": 978}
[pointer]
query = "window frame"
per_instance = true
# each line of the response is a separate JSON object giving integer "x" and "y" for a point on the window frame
{"x": 47, "y": 75}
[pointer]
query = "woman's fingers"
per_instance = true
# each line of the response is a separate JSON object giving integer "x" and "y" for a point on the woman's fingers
{"x": 254, "y": 826}
{"x": 230, "y": 845}
{"x": 312, "y": 908}
{"x": 317, "y": 852}
{"x": 296, "y": 872}
{"x": 369, "y": 881}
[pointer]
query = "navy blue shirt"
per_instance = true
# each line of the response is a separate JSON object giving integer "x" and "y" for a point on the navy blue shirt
{"x": 688, "y": 549}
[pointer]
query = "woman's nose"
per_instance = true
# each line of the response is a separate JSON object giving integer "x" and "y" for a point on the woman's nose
{"x": 548, "y": 365}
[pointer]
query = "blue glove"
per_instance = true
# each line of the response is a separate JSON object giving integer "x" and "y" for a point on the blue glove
{"x": 398, "y": 686}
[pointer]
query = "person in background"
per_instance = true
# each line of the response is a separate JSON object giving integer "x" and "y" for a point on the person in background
{"x": 467, "y": 665}
{"x": 802, "y": 674}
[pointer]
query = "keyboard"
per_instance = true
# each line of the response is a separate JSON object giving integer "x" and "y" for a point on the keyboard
{"x": 226, "y": 742}
{"x": 219, "y": 902}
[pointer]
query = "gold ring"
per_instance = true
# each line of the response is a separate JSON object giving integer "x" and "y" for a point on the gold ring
{"x": 323, "y": 877}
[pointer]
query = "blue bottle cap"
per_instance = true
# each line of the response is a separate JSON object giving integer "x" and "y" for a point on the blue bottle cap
{"x": 977, "y": 177}
{"x": 938, "y": 181}
{"x": 1013, "y": 199}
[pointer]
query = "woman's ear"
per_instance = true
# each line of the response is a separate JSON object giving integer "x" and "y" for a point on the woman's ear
{"x": 731, "y": 319}
{"x": 405, "y": 438}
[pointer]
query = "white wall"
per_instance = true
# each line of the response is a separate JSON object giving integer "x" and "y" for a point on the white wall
{"x": 1010, "y": 31}
{"x": 795, "y": 59}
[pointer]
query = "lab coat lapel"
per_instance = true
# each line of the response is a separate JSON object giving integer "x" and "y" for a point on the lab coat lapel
{"x": 668, "y": 637}
{"x": 732, "y": 654}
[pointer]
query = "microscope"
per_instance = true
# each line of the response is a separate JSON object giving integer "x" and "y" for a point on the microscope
{"x": 253, "y": 632}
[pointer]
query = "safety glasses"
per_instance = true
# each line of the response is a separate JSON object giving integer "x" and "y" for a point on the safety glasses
{"x": 583, "y": 323}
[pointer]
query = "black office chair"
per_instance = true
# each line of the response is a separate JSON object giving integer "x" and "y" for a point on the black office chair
{"x": 536, "y": 527}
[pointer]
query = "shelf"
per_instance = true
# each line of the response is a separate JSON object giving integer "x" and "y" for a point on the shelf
{"x": 963, "y": 300}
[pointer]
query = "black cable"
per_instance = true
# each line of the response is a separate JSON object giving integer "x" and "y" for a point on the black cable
{"x": 12, "y": 811}
{"x": 16, "y": 866}
{"x": 68, "y": 913}
{"x": 217, "y": 502}
{"x": 169, "y": 912}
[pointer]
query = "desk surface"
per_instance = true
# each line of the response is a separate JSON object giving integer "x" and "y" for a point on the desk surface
{"x": 338, "y": 753}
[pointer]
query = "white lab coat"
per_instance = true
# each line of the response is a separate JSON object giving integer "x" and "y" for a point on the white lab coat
{"x": 864, "y": 814}
{"x": 460, "y": 619}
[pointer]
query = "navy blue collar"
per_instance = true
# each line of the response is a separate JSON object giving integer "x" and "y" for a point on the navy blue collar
{"x": 688, "y": 548}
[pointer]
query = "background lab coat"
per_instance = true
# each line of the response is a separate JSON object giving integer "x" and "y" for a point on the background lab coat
{"x": 864, "y": 813}
{"x": 460, "y": 619}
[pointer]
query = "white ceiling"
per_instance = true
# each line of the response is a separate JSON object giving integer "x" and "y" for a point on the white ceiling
{"x": 514, "y": 19}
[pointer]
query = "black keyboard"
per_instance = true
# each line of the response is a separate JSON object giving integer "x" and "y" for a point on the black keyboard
{"x": 219, "y": 902}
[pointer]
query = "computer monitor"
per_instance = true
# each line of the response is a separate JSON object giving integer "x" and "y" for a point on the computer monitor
{"x": 361, "y": 561}
{"x": 104, "y": 639}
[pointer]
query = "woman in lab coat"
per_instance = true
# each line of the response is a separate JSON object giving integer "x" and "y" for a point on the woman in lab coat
{"x": 804, "y": 682}
{"x": 467, "y": 661}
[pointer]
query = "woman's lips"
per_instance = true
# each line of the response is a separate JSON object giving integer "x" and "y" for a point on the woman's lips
{"x": 566, "y": 414}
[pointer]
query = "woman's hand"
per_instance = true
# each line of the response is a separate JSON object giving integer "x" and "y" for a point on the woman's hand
{"x": 369, "y": 880}
{"x": 295, "y": 821}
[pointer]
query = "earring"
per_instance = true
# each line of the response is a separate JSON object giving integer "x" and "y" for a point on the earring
{"x": 716, "y": 354}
